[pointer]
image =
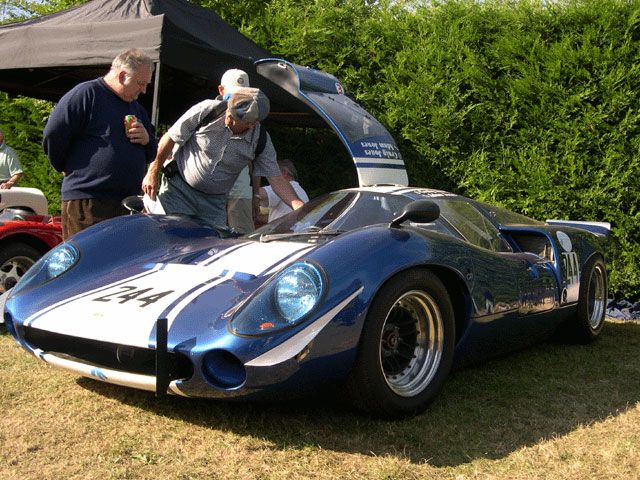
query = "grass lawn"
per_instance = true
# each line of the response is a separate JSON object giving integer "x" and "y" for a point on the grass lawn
{"x": 549, "y": 412}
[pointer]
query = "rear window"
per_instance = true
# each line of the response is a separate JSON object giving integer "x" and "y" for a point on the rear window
{"x": 503, "y": 216}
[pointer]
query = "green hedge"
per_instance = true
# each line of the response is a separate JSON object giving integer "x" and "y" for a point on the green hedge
{"x": 22, "y": 120}
{"x": 532, "y": 105}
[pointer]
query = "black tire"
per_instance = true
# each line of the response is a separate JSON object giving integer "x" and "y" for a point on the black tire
{"x": 15, "y": 260}
{"x": 588, "y": 321}
{"x": 406, "y": 347}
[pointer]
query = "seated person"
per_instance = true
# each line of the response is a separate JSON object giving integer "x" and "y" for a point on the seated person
{"x": 269, "y": 199}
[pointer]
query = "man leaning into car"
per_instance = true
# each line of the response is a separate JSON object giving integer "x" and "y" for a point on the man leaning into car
{"x": 211, "y": 149}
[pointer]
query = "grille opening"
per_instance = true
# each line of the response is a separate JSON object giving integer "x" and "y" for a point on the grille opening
{"x": 108, "y": 355}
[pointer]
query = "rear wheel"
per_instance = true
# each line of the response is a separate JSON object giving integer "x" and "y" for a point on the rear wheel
{"x": 406, "y": 348}
{"x": 587, "y": 323}
{"x": 15, "y": 260}
{"x": 592, "y": 302}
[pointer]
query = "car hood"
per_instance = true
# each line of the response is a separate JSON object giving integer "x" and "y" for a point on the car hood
{"x": 207, "y": 286}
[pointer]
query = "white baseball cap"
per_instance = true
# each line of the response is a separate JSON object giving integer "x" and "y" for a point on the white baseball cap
{"x": 234, "y": 79}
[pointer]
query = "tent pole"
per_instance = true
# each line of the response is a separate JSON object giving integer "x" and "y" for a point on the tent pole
{"x": 155, "y": 108}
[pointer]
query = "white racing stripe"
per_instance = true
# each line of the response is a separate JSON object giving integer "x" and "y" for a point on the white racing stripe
{"x": 255, "y": 257}
{"x": 294, "y": 345}
{"x": 29, "y": 321}
{"x": 288, "y": 261}
{"x": 125, "y": 312}
{"x": 379, "y": 161}
{"x": 215, "y": 256}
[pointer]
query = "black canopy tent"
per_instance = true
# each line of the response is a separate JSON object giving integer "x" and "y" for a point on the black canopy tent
{"x": 191, "y": 47}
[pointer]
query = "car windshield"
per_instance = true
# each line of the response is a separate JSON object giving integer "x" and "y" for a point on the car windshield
{"x": 335, "y": 213}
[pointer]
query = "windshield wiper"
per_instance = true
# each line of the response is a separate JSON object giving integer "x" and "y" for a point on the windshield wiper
{"x": 267, "y": 237}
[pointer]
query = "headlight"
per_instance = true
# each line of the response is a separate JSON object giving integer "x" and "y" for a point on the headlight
{"x": 286, "y": 300}
{"x": 297, "y": 291}
{"x": 60, "y": 260}
{"x": 52, "y": 265}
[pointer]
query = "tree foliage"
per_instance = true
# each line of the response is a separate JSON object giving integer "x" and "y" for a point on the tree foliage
{"x": 18, "y": 10}
{"x": 22, "y": 120}
{"x": 532, "y": 105}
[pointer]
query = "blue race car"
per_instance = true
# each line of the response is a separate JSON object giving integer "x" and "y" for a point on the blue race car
{"x": 382, "y": 289}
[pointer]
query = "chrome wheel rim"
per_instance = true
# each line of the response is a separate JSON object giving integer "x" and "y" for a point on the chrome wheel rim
{"x": 12, "y": 270}
{"x": 597, "y": 297}
{"x": 411, "y": 343}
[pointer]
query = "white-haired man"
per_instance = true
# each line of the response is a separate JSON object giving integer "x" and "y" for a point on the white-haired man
{"x": 85, "y": 138}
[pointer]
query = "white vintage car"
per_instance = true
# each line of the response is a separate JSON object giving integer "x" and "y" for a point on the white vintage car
{"x": 24, "y": 198}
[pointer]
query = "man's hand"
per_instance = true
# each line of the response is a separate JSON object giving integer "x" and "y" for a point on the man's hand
{"x": 138, "y": 134}
{"x": 285, "y": 191}
{"x": 11, "y": 182}
{"x": 150, "y": 182}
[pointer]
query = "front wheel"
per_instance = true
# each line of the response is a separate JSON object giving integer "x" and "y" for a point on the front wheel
{"x": 406, "y": 347}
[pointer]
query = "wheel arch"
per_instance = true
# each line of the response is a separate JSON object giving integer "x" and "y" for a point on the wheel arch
{"x": 456, "y": 289}
{"x": 30, "y": 240}
{"x": 595, "y": 254}
{"x": 459, "y": 295}
{"x": 26, "y": 209}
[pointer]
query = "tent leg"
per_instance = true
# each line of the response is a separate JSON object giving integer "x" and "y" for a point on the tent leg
{"x": 155, "y": 108}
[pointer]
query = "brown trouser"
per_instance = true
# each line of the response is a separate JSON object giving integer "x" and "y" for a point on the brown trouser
{"x": 80, "y": 214}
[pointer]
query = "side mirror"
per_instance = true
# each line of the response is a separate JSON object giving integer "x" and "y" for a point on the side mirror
{"x": 134, "y": 204}
{"x": 419, "y": 211}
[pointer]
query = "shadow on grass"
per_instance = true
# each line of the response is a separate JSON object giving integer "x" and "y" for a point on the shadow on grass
{"x": 487, "y": 411}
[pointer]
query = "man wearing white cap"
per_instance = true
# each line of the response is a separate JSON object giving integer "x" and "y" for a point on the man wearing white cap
{"x": 240, "y": 202}
{"x": 213, "y": 146}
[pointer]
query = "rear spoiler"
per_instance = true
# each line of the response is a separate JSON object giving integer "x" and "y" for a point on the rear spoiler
{"x": 599, "y": 228}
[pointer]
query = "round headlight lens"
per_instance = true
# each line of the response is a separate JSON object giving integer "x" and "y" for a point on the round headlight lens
{"x": 60, "y": 260}
{"x": 298, "y": 291}
{"x": 51, "y": 265}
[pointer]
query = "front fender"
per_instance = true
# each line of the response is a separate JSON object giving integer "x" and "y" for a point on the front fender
{"x": 367, "y": 259}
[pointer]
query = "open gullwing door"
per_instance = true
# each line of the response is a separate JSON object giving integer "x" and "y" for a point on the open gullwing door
{"x": 372, "y": 148}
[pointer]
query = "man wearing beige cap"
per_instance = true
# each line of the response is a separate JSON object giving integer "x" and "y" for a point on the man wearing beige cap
{"x": 211, "y": 150}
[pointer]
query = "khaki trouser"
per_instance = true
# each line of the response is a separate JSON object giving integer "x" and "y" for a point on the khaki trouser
{"x": 240, "y": 214}
{"x": 82, "y": 213}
